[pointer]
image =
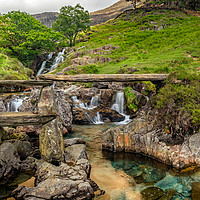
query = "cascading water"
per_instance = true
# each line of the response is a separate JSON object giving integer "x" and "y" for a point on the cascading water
{"x": 14, "y": 104}
{"x": 49, "y": 57}
{"x": 119, "y": 107}
{"x": 58, "y": 59}
{"x": 42, "y": 68}
{"x": 97, "y": 119}
{"x": 93, "y": 104}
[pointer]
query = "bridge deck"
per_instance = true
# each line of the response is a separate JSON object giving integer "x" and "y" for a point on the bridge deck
{"x": 104, "y": 77}
{"x": 25, "y": 82}
{"x": 23, "y": 118}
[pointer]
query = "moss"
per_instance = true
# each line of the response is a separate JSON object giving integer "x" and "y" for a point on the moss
{"x": 131, "y": 99}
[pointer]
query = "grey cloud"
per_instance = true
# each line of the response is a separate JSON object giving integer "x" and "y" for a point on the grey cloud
{"x": 38, "y": 6}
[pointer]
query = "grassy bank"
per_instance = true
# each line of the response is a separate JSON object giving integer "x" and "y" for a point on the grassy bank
{"x": 12, "y": 69}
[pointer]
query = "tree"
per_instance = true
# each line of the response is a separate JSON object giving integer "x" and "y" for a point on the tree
{"x": 71, "y": 21}
{"x": 24, "y": 37}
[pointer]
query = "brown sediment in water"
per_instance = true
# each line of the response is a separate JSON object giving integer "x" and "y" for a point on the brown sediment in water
{"x": 114, "y": 183}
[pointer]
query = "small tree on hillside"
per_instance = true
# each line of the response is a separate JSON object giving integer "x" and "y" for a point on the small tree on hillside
{"x": 72, "y": 20}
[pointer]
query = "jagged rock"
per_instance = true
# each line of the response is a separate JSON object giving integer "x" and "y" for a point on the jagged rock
{"x": 2, "y": 106}
{"x": 23, "y": 148}
{"x": 152, "y": 193}
{"x": 58, "y": 182}
{"x": 75, "y": 152}
{"x": 46, "y": 104}
{"x": 30, "y": 104}
{"x": 29, "y": 164}
{"x": 51, "y": 142}
{"x": 9, "y": 161}
{"x": 63, "y": 110}
{"x": 72, "y": 141}
{"x": 139, "y": 136}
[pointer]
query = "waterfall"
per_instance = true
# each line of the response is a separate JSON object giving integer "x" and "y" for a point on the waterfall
{"x": 119, "y": 103}
{"x": 97, "y": 119}
{"x": 15, "y": 104}
{"x": 93, "y": 104}
{"x": 119, "y": 107}
{"x": 42, "y": 68}
{"x": 58, "y": 59}
{"x": 49, "y": 57}
{"x": 80, "y": 104}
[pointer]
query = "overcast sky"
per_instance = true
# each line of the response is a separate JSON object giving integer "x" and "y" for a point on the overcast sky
{"x": 38, "y": 6}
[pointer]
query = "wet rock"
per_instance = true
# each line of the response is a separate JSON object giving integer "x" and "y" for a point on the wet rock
{"x": 72, "y": 141}
{"x": 152, "y": 193}
{"x": 168, "y": 194}
{"x": 30, "y": 104}
{"x": 75, "y": 152}
{"x": 2, "y": 106}
{"x": 63, "y": 110}
{"x": 29, "y": 164}
{"x": 195, "y": 190}
{"x": 140, "y": 137}
{"x": 9, "y": 161}
{"x": 51, "y": 142}
{"x": 46, "y": 104}
{"x": 58, "y": 182}
{"x": 23, "y": 148}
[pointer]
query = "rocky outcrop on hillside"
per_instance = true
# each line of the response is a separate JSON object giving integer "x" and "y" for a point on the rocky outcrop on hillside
{"x": 184, "y": 4}
{"x": 47, "y": 18}
{"x": 141, "y": 136}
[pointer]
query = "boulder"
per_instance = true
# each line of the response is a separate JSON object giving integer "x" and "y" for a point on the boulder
{"x": 46, "y": 104}
{"x": 72, "y": 141}
{"x": 2, "y": 106}
{"x": 9, "y": 161}
{"x": 152, "y": 193}
{"x": 57, "y": 182}
{"x": 63, "y": 110}
{"x": 51, "y": 143}
{"x": 75, "y": 152}
{"x": 23, "y": 148}
{"x": 30, "y": 104}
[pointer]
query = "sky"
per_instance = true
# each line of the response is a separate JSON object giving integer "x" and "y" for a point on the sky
{"x": 38, "y": 6}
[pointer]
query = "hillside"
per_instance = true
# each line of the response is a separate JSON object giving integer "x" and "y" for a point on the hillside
{"x": 47, "y": 18}
{"x": 12, "y": 69}
{"x": 149, "y": 41}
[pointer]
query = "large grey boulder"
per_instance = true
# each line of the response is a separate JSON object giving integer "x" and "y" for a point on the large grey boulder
{"x": 63, "y": 110}
{"x": 51, "y": 142}
{"x": 46, "y": 105}
{"x": 9, "y": 161}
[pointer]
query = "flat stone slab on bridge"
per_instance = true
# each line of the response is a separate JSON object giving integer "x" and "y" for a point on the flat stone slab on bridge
{"x": 104, "y": 77}
{"x": 23, "y": 118}
{"x": 25, "y": 83}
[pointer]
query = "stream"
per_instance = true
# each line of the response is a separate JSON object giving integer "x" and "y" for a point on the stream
{"x": 123, "y": 176}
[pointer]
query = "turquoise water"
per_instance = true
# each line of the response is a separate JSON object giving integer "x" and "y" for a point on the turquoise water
{"x": 140, "y": 174}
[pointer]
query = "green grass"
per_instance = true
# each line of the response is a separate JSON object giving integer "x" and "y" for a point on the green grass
{"x": 150, "y": 51}
{"x": 12, "y": 69}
